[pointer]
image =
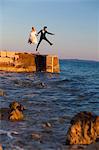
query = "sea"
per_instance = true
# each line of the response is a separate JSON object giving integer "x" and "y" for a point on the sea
{"x": 48, "y": 98}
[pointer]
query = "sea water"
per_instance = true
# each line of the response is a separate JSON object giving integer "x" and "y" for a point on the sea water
{"x": 47, "y": 97}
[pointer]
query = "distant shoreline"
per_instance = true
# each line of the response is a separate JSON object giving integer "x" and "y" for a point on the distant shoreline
{"x": 70, "y": 59}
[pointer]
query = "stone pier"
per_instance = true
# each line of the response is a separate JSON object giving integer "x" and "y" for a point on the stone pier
{"x": 11, "y": 61}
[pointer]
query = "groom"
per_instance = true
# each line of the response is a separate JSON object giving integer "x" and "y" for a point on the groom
{"x": 43, "y": 36}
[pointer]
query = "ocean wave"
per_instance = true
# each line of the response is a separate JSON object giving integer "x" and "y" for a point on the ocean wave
{"x": 8, "y": 133}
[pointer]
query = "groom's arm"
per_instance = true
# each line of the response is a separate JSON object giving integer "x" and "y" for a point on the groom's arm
{"x": 38, "y": 32}
{"x": 50, "y": 33}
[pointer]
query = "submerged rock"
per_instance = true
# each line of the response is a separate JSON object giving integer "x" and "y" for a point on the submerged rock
{"x": 94, "y": 146}
{"x": 47, "y": 125}
{"x": 4, "y": 113}
{"x": 13, "y": 113}
{"x": 84, "y": 129}
{"x": 2, "y": 93}
{"x": 1, "y": 147}
{"x": 36, "y": 136}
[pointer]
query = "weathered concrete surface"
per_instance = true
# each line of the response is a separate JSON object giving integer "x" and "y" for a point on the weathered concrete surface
{"x": 52, "y": 63}
{"x": 26, "y": 62}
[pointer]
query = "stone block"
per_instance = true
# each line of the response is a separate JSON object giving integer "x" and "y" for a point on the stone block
{"x": 3, "y": 53}
{"x": 52, "y": 64}
{"x": 10, "y": 54}
{"x": 6, "y": 60}
{"x": 26, "y": 62}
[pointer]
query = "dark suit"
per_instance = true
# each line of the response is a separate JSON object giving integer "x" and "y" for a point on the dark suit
{"x": 43, "y": 37}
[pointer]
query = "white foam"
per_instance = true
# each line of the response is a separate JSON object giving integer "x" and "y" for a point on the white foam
{"x": 17, "y": 148}
{"x": 8, "y": 133}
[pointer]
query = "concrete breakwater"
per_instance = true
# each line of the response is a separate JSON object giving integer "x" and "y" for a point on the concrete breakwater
{"x": 11, "y": 61}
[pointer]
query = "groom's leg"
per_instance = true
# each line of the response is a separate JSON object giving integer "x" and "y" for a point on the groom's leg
{"x": 48, "y": 41}
{"x": 38, "y": 44}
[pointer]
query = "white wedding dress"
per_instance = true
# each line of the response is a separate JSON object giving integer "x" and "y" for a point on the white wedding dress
{"x": 33, "y": 37}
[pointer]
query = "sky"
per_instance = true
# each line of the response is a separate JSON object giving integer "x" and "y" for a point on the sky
{"x": 75, "y": 24}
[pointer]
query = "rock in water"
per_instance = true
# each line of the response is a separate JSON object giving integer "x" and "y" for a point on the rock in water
{"x": 1, "y": 147}
{"x": 16, "y": 111}
{"x": 2, "y": 93}
{"x": 36, "y": 136}
{"x": 13, "y": 113}
{"x": 16, "y": 105}
{"x": 84, "y": 129}
{"x": 47, "y": 125}
{"x": 16, "y": 115}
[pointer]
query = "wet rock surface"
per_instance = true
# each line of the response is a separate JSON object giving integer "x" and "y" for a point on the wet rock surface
{"x": 84, "y": 129}
{"x": 47, "y": 125}
{"x": 36, "y": 136}
{"x": 1, "y": 147}
{"x": 13, "y": 113}
{"x": 2, "y": 92}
